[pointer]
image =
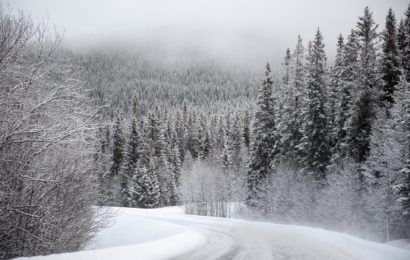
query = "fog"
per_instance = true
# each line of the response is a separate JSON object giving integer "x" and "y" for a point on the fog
{"x": 235, "y": 30}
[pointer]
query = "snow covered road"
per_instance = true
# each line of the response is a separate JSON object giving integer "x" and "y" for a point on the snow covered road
{"x": 169, "y": 234}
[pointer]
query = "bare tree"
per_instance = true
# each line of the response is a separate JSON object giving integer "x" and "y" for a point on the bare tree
{"x": 46, "y": 144}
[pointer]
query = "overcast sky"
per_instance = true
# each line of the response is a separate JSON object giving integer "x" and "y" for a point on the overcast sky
{"x": 233, "y": 29}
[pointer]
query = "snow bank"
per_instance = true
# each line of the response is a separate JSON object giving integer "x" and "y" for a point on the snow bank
{"x": 339, "y": 245}
{"x": 401, "y": 243}
{"x": 136, "y": 236}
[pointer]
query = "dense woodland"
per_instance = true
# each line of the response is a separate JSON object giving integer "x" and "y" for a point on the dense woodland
{"x": 315, "y": 143}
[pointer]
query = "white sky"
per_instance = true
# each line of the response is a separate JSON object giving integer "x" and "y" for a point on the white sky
{"x": 235, "y": 29}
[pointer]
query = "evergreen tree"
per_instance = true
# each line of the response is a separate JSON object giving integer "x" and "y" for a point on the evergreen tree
{"x": 205, "y": 141}
{"x": 131, "y": 157}
{"x": 264, "y": 147}
{"x": 145, "y": 187}
{"x": 100, "y": 164}
{"x": 246, "y": 128}
{"x": 404, "y": 43}
{"x": 314, "y": 143}
{"x": 299, "y": 67}
{"x": 365, "y": 105}
{"x": 118, "y": 147}
{"x": 289, "y": 122}
{"x": 227, "y": 161}
{"x": 236, "y": 141}
{"x": 390, "y": 64}
{"x": 192, "y": 139}
{"x": 113, "y": 178}
{"x": 346, "y": 97}
{"x": 287, "y": 66}
{"x": 334, "y": 91}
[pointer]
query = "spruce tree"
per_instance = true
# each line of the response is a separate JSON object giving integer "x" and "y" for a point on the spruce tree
{"x": 227, "y": 162}
{"x": 346, "y": 97}
{"x": 118, "y": 147}
{"x": 390, "y": 59}
{"x": 192, "y": 138}
{"x": 334, "y": 91}
{"x": 236, "y": 140}
{"x": 246, "y": 128}
{"x": 361, "y": 121}
{"x": 114, "y": 191}
{"x": 404, "y": 43}
{"x": 289, "y": 122}
{"x": 314, "y": 143}
{"x": 299, "y": 66}
{"x": 145, "y": 189}
{"x": 130, "y": 158}
{"x": 264, "y": 146}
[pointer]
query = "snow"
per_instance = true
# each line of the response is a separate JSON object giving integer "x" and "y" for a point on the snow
{"x": 401, "y": 243}
{"x": 168, "y": 233}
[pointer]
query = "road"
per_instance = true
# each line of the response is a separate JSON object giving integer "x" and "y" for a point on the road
{"x": 167, "y": 233}
{"x": 241, "y": 239}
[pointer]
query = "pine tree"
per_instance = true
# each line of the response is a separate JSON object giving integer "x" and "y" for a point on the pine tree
{"x": 299, "y": 66}
{"x": 367, "y": 81}
{"x": 118, "y": 147}
{"x": 246, "y": 128}
{"x": 192, "y": 139}
{"x": 390, "y": 59}
{"x": 180, "y": 135}
{"x": 264, "y": 147}
{"x": 131, "y": 157}
{"x": 100, "y": 164}
{"x": 346, "y": 97}
{"x": 205, "y": 140}
{"x": 236, "y": 140}
{"x": 334, "y": 91}
{"x": 145, "y": 187}
{"x": 289, "y": 122}
{"x": 314, "y": 143}
{"x": 404, "y": 43}
{"x": 287, "y": 66}
{"x": 227, "y": 161}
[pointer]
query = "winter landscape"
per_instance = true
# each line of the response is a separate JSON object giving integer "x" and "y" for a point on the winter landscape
{"x": 205, "y": 129}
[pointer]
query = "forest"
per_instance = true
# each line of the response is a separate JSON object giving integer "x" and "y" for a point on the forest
{"x": 318, "y": 143}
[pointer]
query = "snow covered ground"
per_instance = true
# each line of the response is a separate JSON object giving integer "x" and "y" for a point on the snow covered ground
{"x": 167, "y": 233}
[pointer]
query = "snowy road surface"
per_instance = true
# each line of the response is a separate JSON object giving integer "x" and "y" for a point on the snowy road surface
{"x": 169, "y": 234}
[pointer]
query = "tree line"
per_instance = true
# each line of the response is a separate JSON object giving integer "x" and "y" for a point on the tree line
{"x": 320, "y": 145}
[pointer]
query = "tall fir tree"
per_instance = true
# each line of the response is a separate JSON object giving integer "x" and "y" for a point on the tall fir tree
{"x": 264, "y": 147}
{"x": 404, "y": 44}
{"x": 131, "y": 157}
{"x": 113, "y": 179}
{"x": 346, "y": 98}
{"x": 314, "y": 143}
{"x": 145, "y": 188}
{"x": 289, "y": 122}
{"x": 236, "y": 141}
{"x": 226, "y": 158}
{"x": 118, "y": 147}
{"x": 390, "y": 64}
{"x": 246, "y": 128}
{"x": 334, "y": 90}
{"x": 363, "y": 111}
